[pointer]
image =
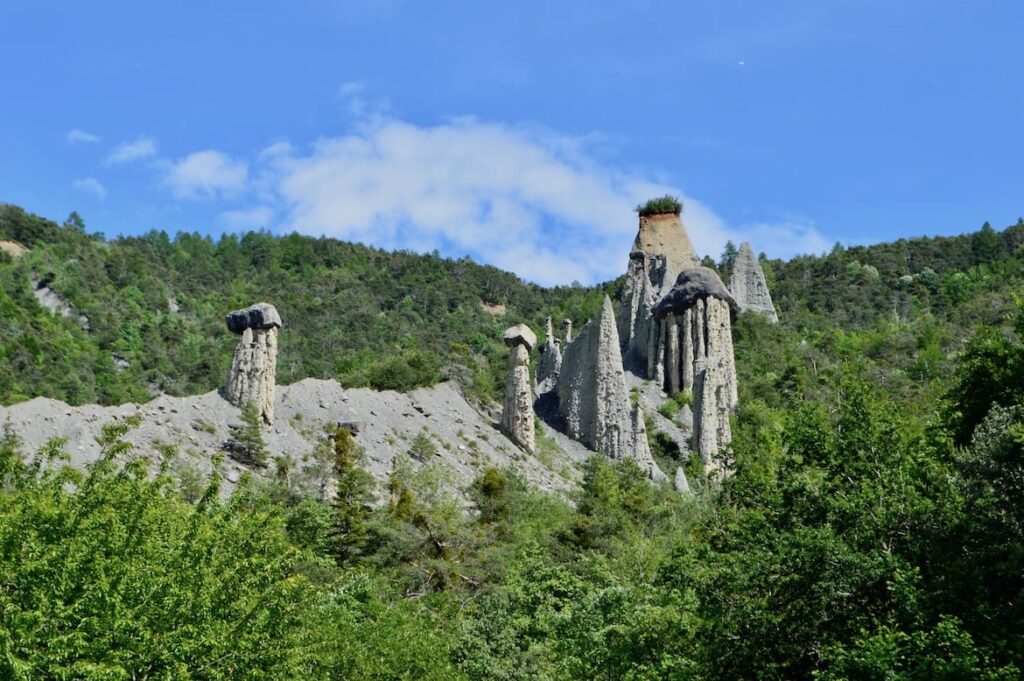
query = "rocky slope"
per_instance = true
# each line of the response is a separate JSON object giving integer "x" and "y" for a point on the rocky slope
{"x": 386, "y": 423}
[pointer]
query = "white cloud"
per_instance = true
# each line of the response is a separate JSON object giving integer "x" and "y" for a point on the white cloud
{"x": 90, "y": 185}
{"x": 529, "y": 201}
{"x": 206, "y": 174}
{"x": 81, "y": 136}
{"x": 139, "y": 148}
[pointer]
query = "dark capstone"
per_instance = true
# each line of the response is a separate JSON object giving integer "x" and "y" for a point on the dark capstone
{"x": 691, "y": 285}
{"x": 258, "y": 316}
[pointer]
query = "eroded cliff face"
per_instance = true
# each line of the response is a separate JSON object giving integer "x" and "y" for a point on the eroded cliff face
{"x": 748, "y": 286}
{"x": 254, "y": 365}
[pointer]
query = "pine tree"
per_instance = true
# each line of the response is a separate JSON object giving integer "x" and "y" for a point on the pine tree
{"x": 246, "y": 443}
{"x": 350, "y": 532}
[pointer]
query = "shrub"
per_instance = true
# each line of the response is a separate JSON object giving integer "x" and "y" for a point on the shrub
{"x": 660, "y": 206}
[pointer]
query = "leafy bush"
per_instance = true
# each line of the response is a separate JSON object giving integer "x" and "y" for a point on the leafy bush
{"x": 661, "y": 205}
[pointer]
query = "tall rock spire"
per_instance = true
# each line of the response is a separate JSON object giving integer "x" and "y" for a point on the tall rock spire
{"x": 748, "y": 286}
{"x": 550, "y": 363}
{"x": 517, "y": 412}
{"x": 254, "y": 366}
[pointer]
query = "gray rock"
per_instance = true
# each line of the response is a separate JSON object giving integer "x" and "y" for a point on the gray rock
{"x": 593, "y": 398}
{"x": 680, "y": 483}
{"x": 692, "y": 285}
{"x": 520, "y": 334}
{"x": 517, "y": 411}
{"x": 748, "y": 285}
{"x": 550, "y": 363}
{"x": 260, "y": 316}
{"x": 254, "y": 366}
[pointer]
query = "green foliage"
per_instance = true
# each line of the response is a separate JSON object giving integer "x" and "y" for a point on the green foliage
{"x": 350, "y": 529}
{"x": 246, "y": 443}
{"x": 118, "y": 578}
{"x": 661, "y": 205}
{"x": 872, "y": 526}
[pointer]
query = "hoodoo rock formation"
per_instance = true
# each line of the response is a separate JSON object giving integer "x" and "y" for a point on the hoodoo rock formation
{"x": 593, "y": 399}
{"x": 693, "y": 348}
{"x": 517, "y": 413}
{"x": 748, "y": 286}
{"x": 254, "y": 366}
{"x": 675, "y": 325}
{"x": 550, "y": 363}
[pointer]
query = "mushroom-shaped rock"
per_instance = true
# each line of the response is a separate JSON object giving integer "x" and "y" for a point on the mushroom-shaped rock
{"x": 260, "y": 316}
{"x": 517, "y": 411}
{"x": 254, "y": 366}
{"x": 697, "y": 283}
{"x": 520, "y": 334}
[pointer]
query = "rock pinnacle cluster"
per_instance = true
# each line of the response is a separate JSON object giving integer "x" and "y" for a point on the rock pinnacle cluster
{"x": 593, "y": 398}
{"x": 254, "y": 366}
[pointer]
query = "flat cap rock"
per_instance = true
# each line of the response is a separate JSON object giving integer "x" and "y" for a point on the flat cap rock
{"x": 520, "y": 334}
{"x": 258, "y": 316}
{"x": 692, "y": 284}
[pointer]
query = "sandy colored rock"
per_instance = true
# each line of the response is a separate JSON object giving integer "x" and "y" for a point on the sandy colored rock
{"x": 517, "y": 411}
{"x": 12, "y": 248}
{"x": 748, "y": 286}
{"x": 665, "y": 235}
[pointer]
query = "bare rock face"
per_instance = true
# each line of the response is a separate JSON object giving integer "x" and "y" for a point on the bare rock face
{"x": 550, "y": 363}
{"x": 665, "y": 235}
{"x": 567, "y": 330}
{"x": 747, "y": 285}
{"x": 662, "y": 249}
{"x": 517, "y": 412}
{"x": 254, "y": 366}
{"x": 593, "y": 399}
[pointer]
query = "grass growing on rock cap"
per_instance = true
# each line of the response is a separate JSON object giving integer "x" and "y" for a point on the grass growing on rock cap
{"x": 661, "y": 206}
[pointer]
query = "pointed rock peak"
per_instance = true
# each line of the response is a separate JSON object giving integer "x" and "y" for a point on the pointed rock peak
{"x": 748, "y": 285}
{"x": 550, "y": 331}
{"x": 664, "y": 234}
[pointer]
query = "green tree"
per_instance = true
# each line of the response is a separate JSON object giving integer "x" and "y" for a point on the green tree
{"x": 350, "y": 530}
{"x": 246, "y": 443}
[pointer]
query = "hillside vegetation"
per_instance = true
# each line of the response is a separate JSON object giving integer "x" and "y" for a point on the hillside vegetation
{"x": 873, "y": 527}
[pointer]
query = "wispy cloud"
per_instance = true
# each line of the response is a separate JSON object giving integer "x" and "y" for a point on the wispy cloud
{"x": 90, "y": 185}
{"x": 206, "y": 174}
{"x": 544, "y": 205}
{"x": 531, "y": 201}
{"x": 126, "y": 152}
{"x": 77, "y": 136}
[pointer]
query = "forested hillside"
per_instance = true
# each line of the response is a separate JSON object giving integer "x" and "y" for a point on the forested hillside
{"x": 872, "y": 528}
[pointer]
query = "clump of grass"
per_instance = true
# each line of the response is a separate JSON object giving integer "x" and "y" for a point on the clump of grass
{"x": 660, "y": 206}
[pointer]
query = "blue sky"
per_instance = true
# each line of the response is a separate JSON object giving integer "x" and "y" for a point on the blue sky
{"x": 519, "y": 133}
